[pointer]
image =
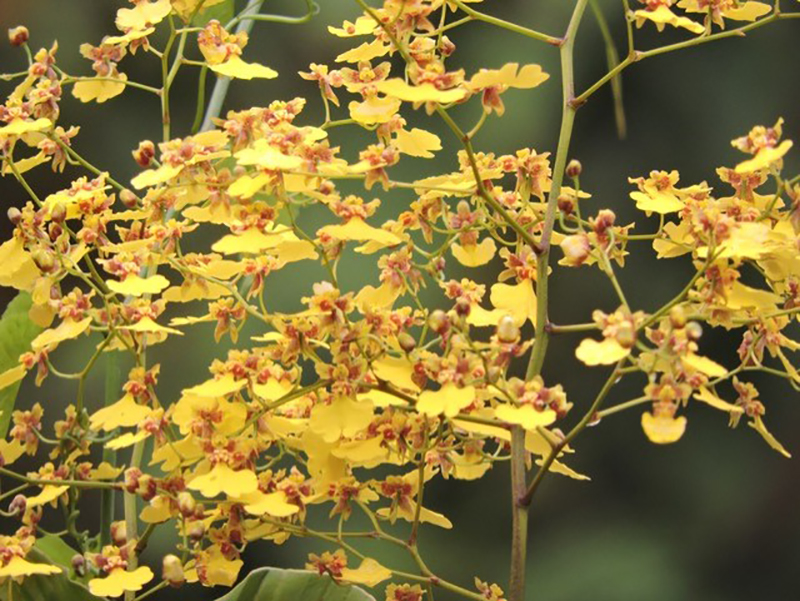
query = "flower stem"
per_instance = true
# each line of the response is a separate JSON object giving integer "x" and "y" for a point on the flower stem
{"x": 518, "y": 471}
{"x": 112, "y": 386}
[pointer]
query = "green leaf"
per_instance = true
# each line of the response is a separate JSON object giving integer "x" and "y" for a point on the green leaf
{"x": 17, "y": 332}
{"x": 54, "y": 550}
{"x": 55, "y": 587}
{"x": 46, "y": 588}
{"x": 222, "y": 12}
{"x": 274, "y": 584}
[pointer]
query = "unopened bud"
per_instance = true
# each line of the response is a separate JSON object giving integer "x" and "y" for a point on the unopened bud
{"x": 128, "y": 199}
{"x": 574, "y": 169}
{"x": 604, "y": 220}
{"x": 14, "y": 215}
{"x": 132, "y": 475}
{"x": 19, "y": 35}
{"x": 58, "y": 213}
{"x": 119, "y": 533}
{"x": 507, "y": 330}
{"x": 78, "y": 563}
{"x": 566, "y": 204}
{"x": 186, "y": 503}
{"x": 406, "y": 341}
{"x": 493, "y": 374}
{"x": 694, "y": 330}
{"x": 576, "y": 249}
{"x": 196, "y": 532}
{"x": 55, "y": 232}
{"x": 44, "y": 260}
{"x": 463, "y": 307}
{"x": 18, "y": 505}
{"x": 172, "y": 570}
{"x": 446, "y": 46}
{"x": 677, "y": 317}
{"x": 626, "y": 335}
{"x": 437, "y": 321}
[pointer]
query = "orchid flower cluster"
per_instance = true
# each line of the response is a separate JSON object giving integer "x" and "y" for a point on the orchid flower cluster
{"x": 357, "y": 399}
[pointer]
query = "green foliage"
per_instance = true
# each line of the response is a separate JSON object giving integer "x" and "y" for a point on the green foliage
{"x": 273, "y": 584}
{"x": 222, "y": 12}
{"x": 16, "y": 334}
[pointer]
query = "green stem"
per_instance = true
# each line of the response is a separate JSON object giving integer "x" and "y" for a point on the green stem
{"x": 507, "y": 25}
{"x": 536, "y": 361}
{"x": 312, "y": 8}
{"x": 131, "y": 515}
{"x": 623, "y": 406}
{"x": 112, "y": 387}
{"x": 539, "y": 351}
{"x": 587, "y": 418}
{"x": 220, "y": 92}
{"x": 636, "y": 56}
{"x": 519, "y": 516}
{"x": 58, "y": 482}
{"x": 612, "y": 57}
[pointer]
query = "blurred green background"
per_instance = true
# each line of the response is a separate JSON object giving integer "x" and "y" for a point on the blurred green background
{"x": 711, "y": 518}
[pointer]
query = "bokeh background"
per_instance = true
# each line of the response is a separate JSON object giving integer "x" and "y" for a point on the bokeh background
{"x": 712, "y": 518}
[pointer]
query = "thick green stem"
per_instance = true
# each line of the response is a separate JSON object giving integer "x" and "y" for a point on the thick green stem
{"x": 131, "y": 515}
{"x": 222, "y": 84}
{"x": 519, "y": 516}
{"x": 518, "y": 471}
{"x": 112, "y": 387}
{"x": 565, "y": 136}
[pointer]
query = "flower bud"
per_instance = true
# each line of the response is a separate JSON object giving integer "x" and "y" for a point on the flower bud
{"x": 55, "y": 232}
{"x": 119, "y": 533}
{"x": 604, "y": 220}
{"x": 493, "y": 374}
{"x": 172, "y": 570}
{"x": 576, "y": 249}
{"x": 186, "y": 503}
{"x": 677, "y": 317}
{"x": 463, "y": 307}
{"x": 132, "y": 475}
{"x": 694, "y": 330}
{"x": 446, "y": 46}
{"x": 196, "y": 532}
{"x": 437, "y": 321}
{"x": 14, "y": 215}
{"x": 507, "y": 330}
{"x": 44, "y": 260}
{"x": 406, "y": 341}
{"x": 128, "y": 199}
{"x": 626, "y": 335}
{"x": 18, "y": 505}
{"x": 566, "y": 204}
{"x": 144, "y": 154}
{"x": 78, "y": 563}
{"x": 58, "y": 213}
{"x": 574, "y": 169}
{"x": 19, "y": 35}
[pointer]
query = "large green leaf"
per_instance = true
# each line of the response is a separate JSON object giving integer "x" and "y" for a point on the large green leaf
{"x": 273, "y": 584}
{"x": 56, "y": 587}
{"x": 222, "y": 12}
{"x": 17, "y": 332}
{"x": 53, "y": 549}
